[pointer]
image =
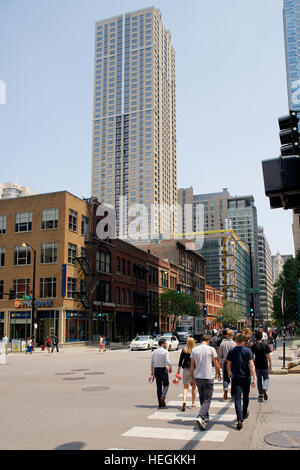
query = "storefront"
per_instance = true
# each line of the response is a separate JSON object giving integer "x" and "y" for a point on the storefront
{"x": 103, "y": 325}
{"x": 124, "y": 326}
{"x": 47, "y": 321}
{"x": 19, "y": 325}
{"x": 76, "y": 326}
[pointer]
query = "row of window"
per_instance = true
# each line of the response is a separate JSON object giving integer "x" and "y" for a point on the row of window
{"x": 48, "y": 254}
{"x": 47, "y": 287}
{"x": 49, "y": 220}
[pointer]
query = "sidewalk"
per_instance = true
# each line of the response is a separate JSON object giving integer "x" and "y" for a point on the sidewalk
{"x": 276, "y": 356}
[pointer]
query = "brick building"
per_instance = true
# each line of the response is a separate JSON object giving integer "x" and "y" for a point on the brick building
{"x": 214, "y": 301}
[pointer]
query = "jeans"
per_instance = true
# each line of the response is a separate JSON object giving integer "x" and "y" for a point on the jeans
{"x": 241, "y": 387}
{"x": 205, "y": 389}
{"x": 262, "y": 380}
{"x": 226, "y": 379}
{"x": 162, "y": 382}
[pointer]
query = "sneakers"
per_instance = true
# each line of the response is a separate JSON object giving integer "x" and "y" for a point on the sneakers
{"x": 265, "y": 394}
{"x": 247, "y": 415}
{"x": 162, "y": 403}
{"x": 183, "y": 407}
{"x": 260, "y": 398}
{"x": 225, "y": 396}
{"x": 239, "y": 425}
{"x": 201, "y": 423}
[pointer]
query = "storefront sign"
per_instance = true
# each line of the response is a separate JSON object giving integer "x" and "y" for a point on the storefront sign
{"x": 28, "y": 303}
{"x": 20, "y": 315}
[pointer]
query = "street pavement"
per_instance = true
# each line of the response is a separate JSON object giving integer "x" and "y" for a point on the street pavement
{"x": 80, "y": 398}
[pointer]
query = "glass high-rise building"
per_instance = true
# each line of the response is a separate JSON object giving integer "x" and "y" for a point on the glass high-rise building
{"x": 134, "y": 126}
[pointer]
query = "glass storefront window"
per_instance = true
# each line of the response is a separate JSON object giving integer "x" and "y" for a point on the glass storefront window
{"x": 76, "y": 327}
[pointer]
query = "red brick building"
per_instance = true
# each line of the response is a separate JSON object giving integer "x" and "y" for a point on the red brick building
{"x": 214, "y": 301}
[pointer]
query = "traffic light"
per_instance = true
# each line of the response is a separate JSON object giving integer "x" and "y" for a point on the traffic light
{"x": 12, "y": 294}
{"x": 205, "y": 310}
{"x": 282, "y": 181}
{"x": 99, "y": 315}
{"x": 178, "y": 289}
{"x": 251, "y": 309}
{"x": 289, "y": 135}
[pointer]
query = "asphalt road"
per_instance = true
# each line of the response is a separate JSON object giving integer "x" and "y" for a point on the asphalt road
{"x": 80, "y": 398}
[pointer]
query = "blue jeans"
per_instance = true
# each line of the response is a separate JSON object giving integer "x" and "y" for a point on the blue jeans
{"x": 262, "y": 380}
{"x": 162, "y": 382}
{"x": 241, "y": 387}
{"x": 226, "y": 379}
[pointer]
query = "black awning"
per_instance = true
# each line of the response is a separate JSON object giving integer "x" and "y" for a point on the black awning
{"x": 124, "y": 318}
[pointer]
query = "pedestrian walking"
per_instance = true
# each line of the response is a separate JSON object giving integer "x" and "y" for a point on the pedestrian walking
{"x": 29, "y": 346}
{"x": 262, "y": 357}
{"x": 247, "y": 334}
{"x": 185, "y": 363}
{"x": 221, "y": 336}
{"x": 100, "y": 345}
{"x": 5, "y": 342}
{"x": 54, "y": 340}
{"x": 270, "y": 340}
{"x": 275, "y": 336}
{"x": 104, "y": 343}
{"x": 264, "y": 335}
{"x": 226, "y": 346}
{"x": 202, "y": 373}
{"x": 48, "y": 343}
{"x": 214, "y": 339}
{"x": 241, "y": 368}
{"x": 161, "y": 367}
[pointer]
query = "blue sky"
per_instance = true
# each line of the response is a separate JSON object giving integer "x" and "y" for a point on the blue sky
{"x": 231, "y": 88}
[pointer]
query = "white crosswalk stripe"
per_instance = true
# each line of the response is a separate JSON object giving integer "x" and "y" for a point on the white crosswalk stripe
{"x": 214, "y": 404}
{"x": 171, "y": 416}
{"x": 215, "y": 395}
{"x": 178, "y": 434}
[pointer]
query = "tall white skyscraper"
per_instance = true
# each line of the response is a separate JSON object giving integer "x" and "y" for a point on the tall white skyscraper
{"x": 134, "y": 127}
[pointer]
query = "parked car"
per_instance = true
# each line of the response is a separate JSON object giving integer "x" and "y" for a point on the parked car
{"x": 141, "y": 342}
{"x": 172, "y": 341}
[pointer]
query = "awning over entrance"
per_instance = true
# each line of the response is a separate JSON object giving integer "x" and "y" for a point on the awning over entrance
{"x": 124, "y": 318}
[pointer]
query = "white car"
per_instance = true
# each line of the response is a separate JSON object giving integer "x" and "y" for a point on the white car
{"x": 141, "y": 342}
{"x": 172, "y": 342}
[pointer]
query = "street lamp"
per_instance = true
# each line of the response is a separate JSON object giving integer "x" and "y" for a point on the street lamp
{"x": 33, "y": 289}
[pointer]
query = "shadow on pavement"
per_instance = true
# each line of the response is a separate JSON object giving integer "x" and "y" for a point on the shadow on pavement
{"x": 71, "y": 446}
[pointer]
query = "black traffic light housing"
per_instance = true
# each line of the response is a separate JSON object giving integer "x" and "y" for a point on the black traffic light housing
{"x": 12, "y": 294}
{"x": 289, "y": 135}
{"x": 178, "y": 289}
{"x": 282, "y": 182}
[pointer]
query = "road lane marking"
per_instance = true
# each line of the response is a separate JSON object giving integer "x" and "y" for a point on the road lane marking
{"x": 214, "y": 404}
{"x": 177, "y": 434}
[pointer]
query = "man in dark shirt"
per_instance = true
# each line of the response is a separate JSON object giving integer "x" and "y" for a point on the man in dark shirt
{"x": 241, "y": 368}
{"x": 262, "y": 355}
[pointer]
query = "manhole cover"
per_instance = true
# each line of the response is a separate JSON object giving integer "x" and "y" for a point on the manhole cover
{"x": 288, "y": 439}
{"x": 95, "y": 389}
{"x": 75, "y": 378}
{"x": 64, "y": 373}
{"x": 94, "y": 373}
{"x": 79, "y": 370}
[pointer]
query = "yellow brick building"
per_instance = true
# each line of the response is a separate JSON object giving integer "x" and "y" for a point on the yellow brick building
{"x": 55, "y": 226}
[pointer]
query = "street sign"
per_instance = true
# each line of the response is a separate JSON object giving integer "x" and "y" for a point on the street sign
{"x": 27, "y": 297}
{"x": 252, "y": 291}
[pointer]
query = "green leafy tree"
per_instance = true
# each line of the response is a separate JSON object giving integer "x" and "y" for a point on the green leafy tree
{"x": 287, "y": 281}
{"x": 231, "y": 313}
{"x": 177, "y": 304}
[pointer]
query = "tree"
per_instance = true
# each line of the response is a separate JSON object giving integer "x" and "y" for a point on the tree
{"x": 172, "y": 303}
{"x": 287, "y": 281}
{"x": 231, "y": 313}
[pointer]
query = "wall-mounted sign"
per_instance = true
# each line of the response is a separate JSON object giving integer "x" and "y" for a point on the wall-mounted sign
{"x": 28, "y": 303}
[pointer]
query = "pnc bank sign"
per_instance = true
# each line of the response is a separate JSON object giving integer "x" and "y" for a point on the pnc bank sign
{"x": 28, "y": 303}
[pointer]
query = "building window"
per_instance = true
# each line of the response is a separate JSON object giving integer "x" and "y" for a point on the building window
{"x": 73, "y": 220}
{"x": 2, "y": 224}
{"x": 71, "y": 288}
{"x": 128, "y": 297}
{"x": 47, "y": 287}
{"x": 72, "y": 253}
{"x": 85, "y": 227}
{"x": 49, "y": 219}
{"x": 48, "y": 253}
{"x": 21, "y": 287}
{"x": 118, "y": 266}
{"x": 2, "y": 257}
{"x": 128, "y": 268}
{"x": 22, "y": 255}
{"x": 123, "y": 267}
{"x": 104, "y": 292}
{"x": 1, "y": 289}
{"x": 118, "y": 296}
{"x": 103, "y": 262}
{"x": 123, "y": 296}
{"x": 23, "y": 222}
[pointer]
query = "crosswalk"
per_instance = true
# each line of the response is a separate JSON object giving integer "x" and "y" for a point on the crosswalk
{"x": 177, "y": 429}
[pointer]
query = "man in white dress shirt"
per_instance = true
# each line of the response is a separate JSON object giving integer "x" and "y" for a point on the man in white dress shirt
{"x": 160, "y": 364}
